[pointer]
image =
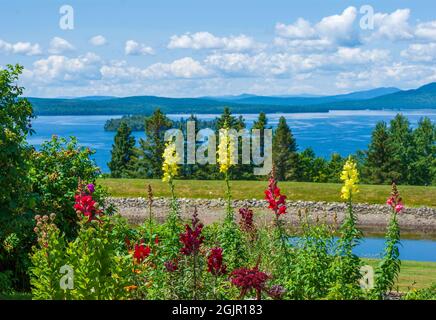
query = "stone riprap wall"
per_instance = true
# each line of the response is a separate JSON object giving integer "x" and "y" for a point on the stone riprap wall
{"x": 371, "y": 217}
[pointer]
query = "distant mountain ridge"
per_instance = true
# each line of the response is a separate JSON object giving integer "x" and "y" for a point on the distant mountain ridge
{"x": 380, "y": 98}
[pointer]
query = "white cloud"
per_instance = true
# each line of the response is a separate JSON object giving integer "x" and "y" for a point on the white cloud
{"x": 420, "y": 52}
{"x": 181, "y": 68}
{"x": 426, "y": 30}
{"x": 134, "y": 48}
{"x": 396, "y": 74}
{"x": 184, "y": 68}
{"x": 393, "y": 26}
{"x": 331, "y": 30}
{"x": 301, "y": 29}
{"x": 59, "y": 46}
{"x": 291, "y": 64}
{"x": 339, "y": 28}
{"x": 352, "y": 56}
{"x": 98, "y": 41}
{"x": 57, "y": 68}
{"x": 206, "y": 40}
{"x": 24, "y": 48}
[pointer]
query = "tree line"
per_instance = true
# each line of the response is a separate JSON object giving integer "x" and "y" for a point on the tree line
{"x": 396, "y": 153}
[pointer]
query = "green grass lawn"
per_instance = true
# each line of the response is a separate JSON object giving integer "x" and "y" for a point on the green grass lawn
{"x": 414, "y": 274}
{"x": 412, "y": 195}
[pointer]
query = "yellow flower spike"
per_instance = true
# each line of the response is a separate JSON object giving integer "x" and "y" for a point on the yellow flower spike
{"x": 350, "y": 176}
{"x": 170, "y": 167}
{"x": 226, "y": 148}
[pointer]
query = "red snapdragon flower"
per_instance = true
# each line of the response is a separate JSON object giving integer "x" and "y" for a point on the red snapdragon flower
{"x": 215, "y": 262}
{"x": 246, "y": 221}
{"x": 141, "y": 252}
{"x": 277, "y": 201}
{"x": 249, "y": 279}
{"x": 395, "y": 201}
{"x": 86, "y": 205}
{"x": 192, "y": 238}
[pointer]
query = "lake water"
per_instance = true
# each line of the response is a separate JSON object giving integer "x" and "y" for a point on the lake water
{"x": 410, "y": 249}
{"x": 417, "y": 250}
{"x": 344, "y": 132}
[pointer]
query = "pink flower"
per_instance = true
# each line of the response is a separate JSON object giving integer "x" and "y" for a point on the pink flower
{"x": 390, "y": 201}
{"x": 277, "y": 201}
{"x": 399, "y": 207}
{"x": 395, "y": 201}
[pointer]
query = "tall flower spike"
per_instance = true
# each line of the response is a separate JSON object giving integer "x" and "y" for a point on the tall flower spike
{"x": 192, "y": 238}
{"x": 277, "y": 201}
{"x": 215, "y": 263}
{"x": 395, "y": 200}
{"x": 226, "y": 149}
{"x": 171, "y": 159}
{"x": 350, "y": 177}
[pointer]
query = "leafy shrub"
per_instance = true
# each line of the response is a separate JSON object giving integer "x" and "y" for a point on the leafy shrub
{"x": 57, "y": 169}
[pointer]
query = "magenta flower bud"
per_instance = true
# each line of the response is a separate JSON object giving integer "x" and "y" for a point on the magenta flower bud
{"x": 91, "y": 187}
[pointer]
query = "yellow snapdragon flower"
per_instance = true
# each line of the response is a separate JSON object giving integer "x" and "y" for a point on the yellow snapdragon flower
{"x": 170, "y": 159}
{"x": 226, "y": 148}
{"x": 350, "y": 176}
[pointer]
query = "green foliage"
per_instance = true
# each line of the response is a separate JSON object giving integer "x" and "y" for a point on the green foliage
{"x": 15, "y": 116}
{"x": 99, "y": 272}
{"x": 123, "y": 152}
{"x": 380, "y": 163}
{"x": 389, "y": 268}
{"x": 57, "y": 168}
{"x": 398, "y": 153}
{"x": 285, "y": 156}
{"x": 151, "y": 149}
{"x": 422, "y": 294}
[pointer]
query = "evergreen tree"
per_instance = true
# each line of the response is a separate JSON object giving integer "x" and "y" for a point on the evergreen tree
{"x": 400, "y": 136}
{"x": 380, "y": 164}
{"x": 334, "y": 168}
{"x": 261, "y": 124}
{"x": 123, "y": 152}
{"x": 152, "y": 148}
{"x": 228, "y": 119}
{"x": 423, "y": 168}
{"x": 285, "y": 157}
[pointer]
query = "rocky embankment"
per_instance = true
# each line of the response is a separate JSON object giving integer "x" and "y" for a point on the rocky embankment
{"x": 374, "y": 218}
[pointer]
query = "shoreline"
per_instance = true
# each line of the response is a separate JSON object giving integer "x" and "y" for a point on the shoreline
{"x": 419, "y": 222}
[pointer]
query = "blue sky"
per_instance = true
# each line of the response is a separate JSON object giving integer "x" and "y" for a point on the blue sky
{"x": 195, "y": 48}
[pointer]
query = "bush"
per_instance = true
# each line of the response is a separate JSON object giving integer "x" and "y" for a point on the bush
{"x": 57, "y": 170}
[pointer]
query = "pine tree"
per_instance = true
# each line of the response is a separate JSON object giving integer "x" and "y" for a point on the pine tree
{"x": 380, "y": 164}
{"x": 152, "y": 148}
{"x": 423, "y": 167}
{"x": 123, "y": 152}
{"x": 400, "y": 136}
{"x": 285, "y": 157}
{"x": 229, "y": 120}
{"x": 334, "y": 167}
{"x": 261, "y": 124}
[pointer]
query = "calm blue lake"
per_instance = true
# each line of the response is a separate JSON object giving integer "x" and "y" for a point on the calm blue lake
{"x": 417, "y": 250}
{"x": 410, "y": 249}
{"x": 344, "y": 132}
